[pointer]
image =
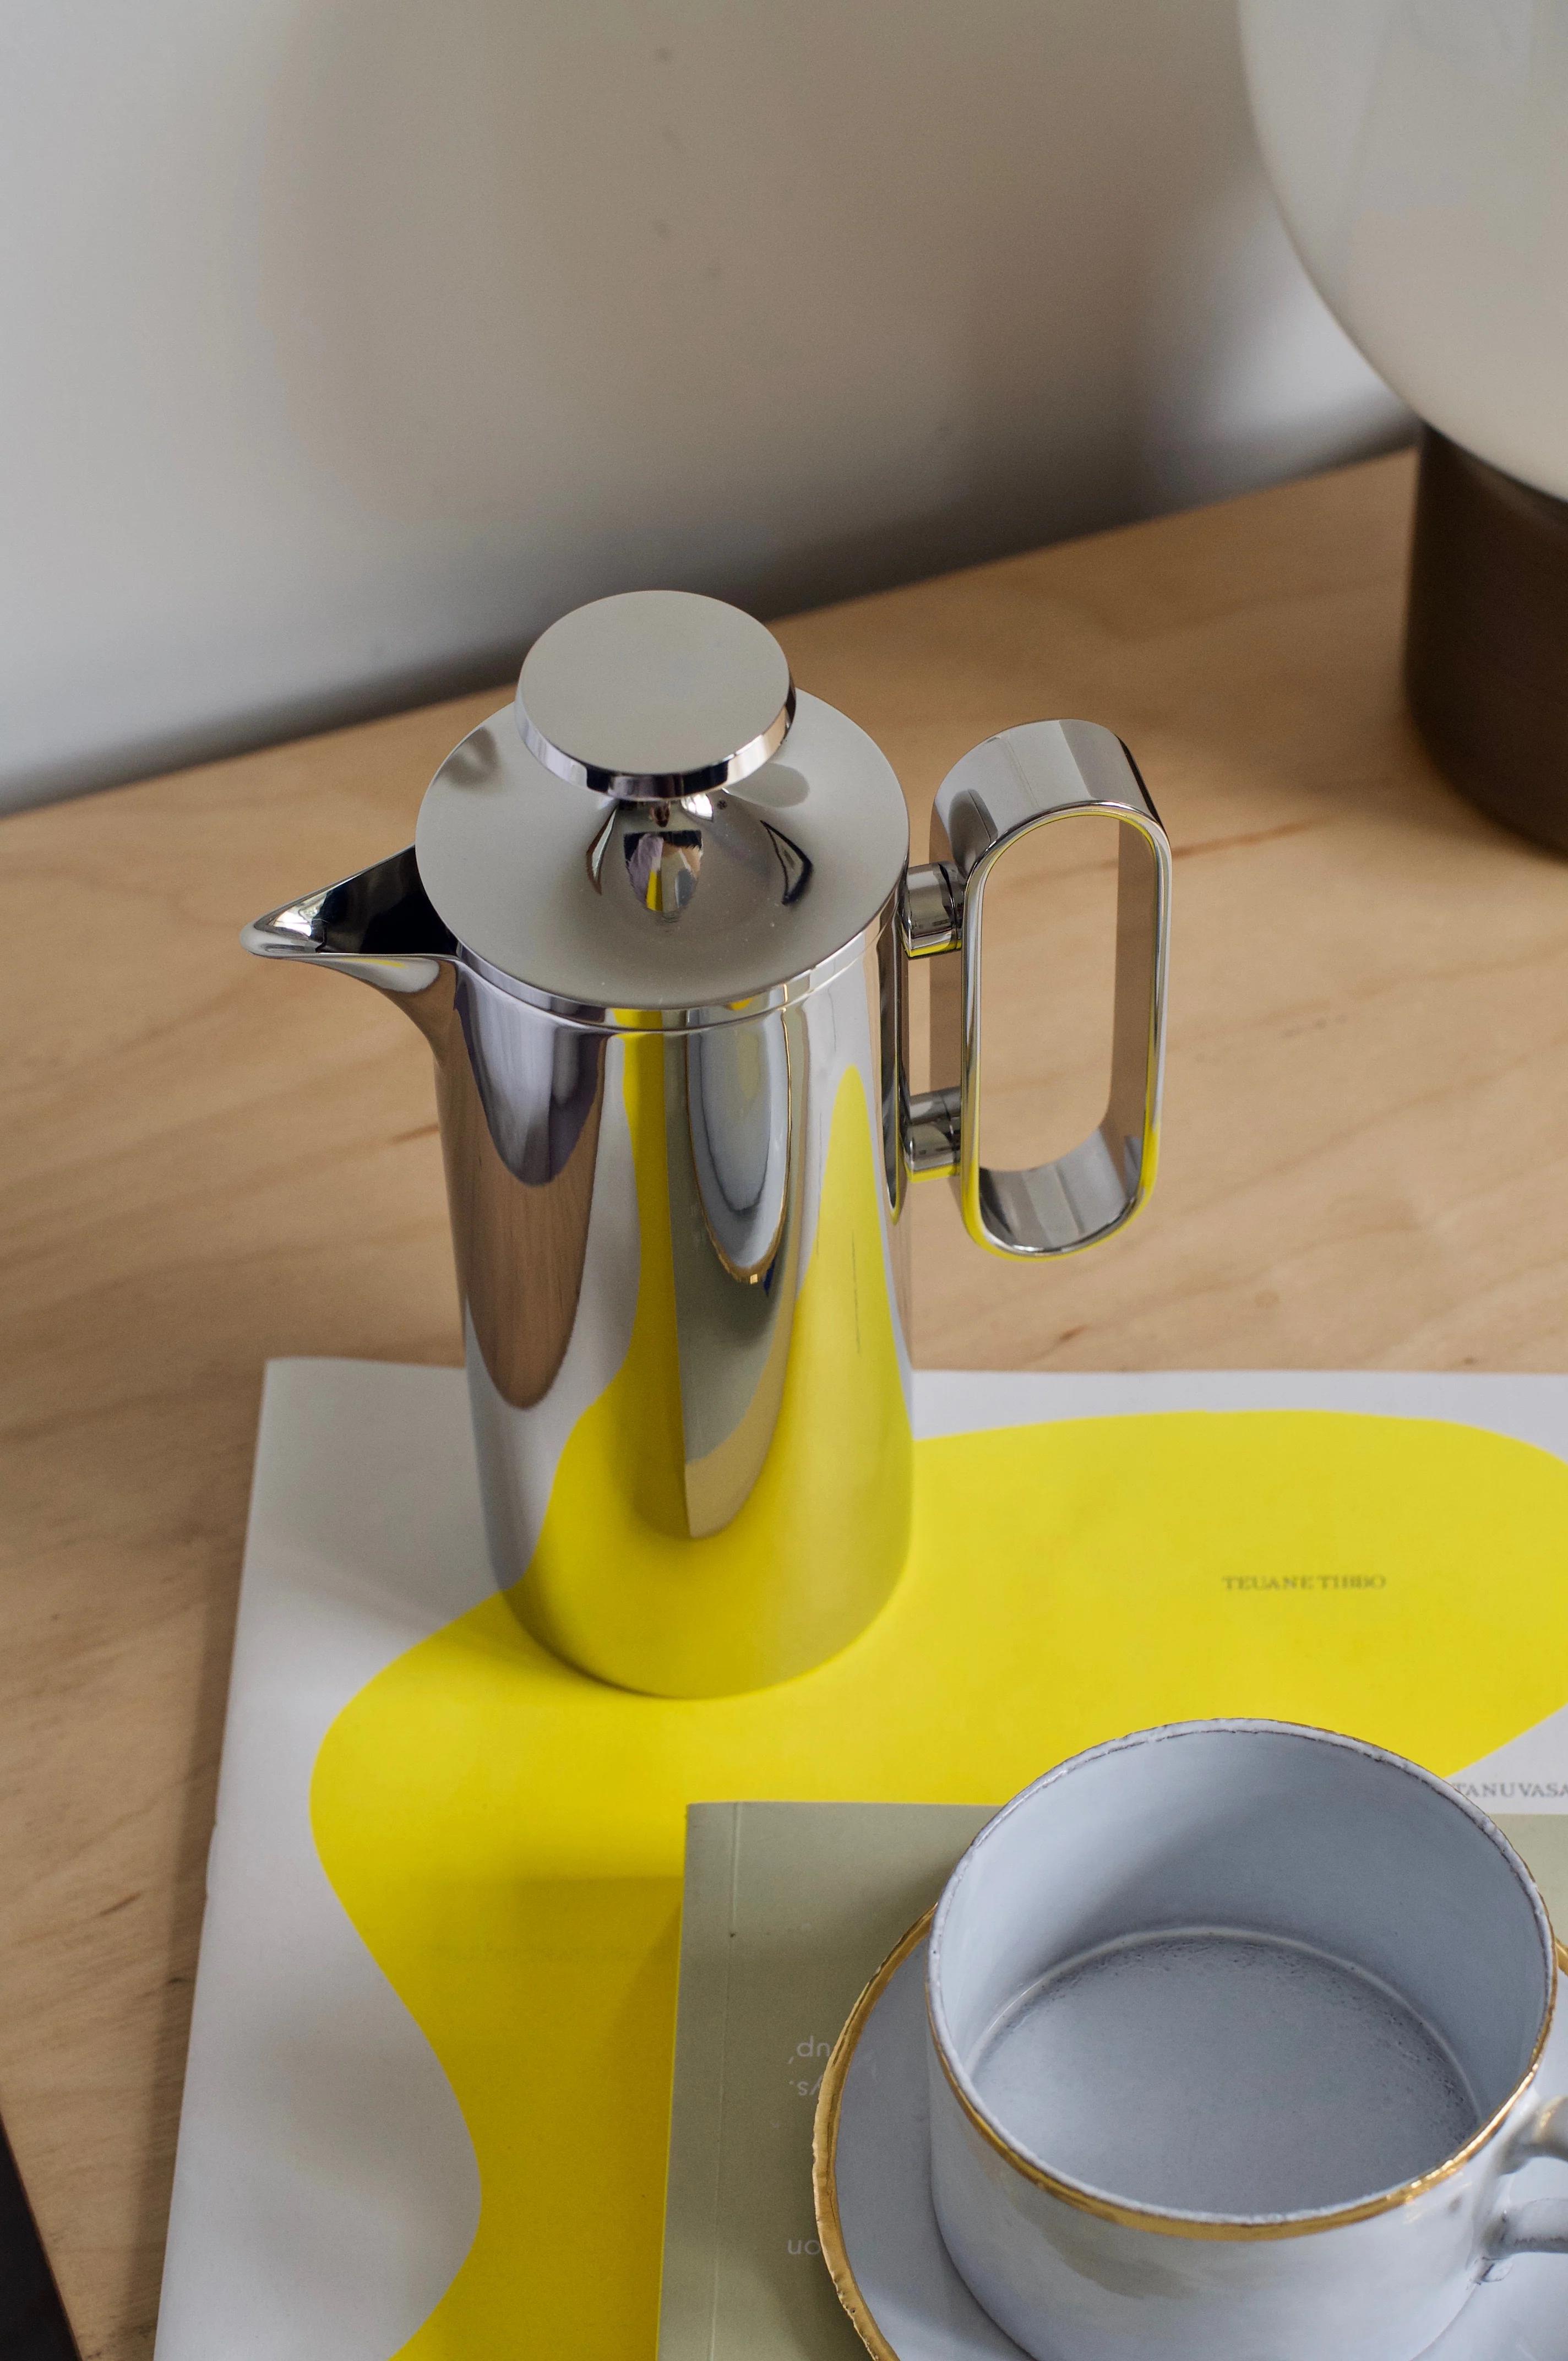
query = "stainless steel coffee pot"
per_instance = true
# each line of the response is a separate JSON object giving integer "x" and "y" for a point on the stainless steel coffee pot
{"x": 655, "y": 925}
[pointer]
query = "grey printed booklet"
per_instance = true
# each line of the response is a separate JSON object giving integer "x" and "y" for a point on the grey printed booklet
{"x": 788, "y": 1909}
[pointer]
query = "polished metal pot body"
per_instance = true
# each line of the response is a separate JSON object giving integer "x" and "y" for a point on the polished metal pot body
{"x": 684, "y": 1283}
{"x": 682, "y": 1270}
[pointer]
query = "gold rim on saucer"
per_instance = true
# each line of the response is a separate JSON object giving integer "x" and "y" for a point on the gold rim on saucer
{"x": 824, "y": 2143}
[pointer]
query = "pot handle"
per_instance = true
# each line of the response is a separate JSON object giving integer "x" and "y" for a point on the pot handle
{"x": 1541, "y": 2227}
{"x": 1027, "y": 778}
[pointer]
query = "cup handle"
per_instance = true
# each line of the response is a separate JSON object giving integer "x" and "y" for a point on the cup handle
{"x": 1541, "y": 2227}
{"x": 1029, "y": 778}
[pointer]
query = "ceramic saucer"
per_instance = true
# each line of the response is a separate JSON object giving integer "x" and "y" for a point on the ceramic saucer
{"x": 879, "y": 2233}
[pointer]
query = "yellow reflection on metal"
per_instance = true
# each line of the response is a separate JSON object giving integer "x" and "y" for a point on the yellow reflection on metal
{"x": 616, "y": 1584}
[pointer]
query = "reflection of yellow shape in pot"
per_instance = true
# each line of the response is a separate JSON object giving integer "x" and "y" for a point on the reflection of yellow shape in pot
{"x": 616, "y": 1582}
{"x": 506, "y": 1836}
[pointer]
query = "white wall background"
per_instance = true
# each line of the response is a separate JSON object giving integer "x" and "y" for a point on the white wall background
{"x": 346, "y": 342}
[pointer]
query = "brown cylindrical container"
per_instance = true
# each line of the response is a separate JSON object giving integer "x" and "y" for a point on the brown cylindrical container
{"x": 1487, "y": 637}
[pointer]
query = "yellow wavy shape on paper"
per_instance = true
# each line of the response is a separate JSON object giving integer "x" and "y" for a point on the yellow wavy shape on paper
{"x": 507, "y": 1835}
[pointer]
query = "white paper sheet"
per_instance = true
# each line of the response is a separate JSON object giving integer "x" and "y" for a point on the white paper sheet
{"x": 325, "y": 2189}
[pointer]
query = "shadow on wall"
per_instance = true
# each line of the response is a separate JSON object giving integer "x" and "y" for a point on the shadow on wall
{"x": 521, "y": 304}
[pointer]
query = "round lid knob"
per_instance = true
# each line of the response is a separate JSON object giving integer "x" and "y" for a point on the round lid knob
{"x": 655, "y": 695}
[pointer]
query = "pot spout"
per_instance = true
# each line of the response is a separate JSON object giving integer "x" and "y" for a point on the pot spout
{"x": 378, "y": 926}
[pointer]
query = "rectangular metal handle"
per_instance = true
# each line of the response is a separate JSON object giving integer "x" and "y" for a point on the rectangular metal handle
{"x": 1037, "y": 776}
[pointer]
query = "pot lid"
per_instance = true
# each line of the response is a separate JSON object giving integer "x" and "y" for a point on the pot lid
{"x": 655, "y": 695}
{"x": 662, "y": 822}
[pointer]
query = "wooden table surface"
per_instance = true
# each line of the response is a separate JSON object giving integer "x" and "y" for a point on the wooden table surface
{"x": 206, "y": 1162}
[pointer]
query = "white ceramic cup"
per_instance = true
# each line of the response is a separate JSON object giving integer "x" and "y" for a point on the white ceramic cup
{"x": 1235, "y": 2028}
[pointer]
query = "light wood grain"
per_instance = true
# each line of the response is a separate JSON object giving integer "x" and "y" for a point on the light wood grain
{"x": 206, "y": 1162}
